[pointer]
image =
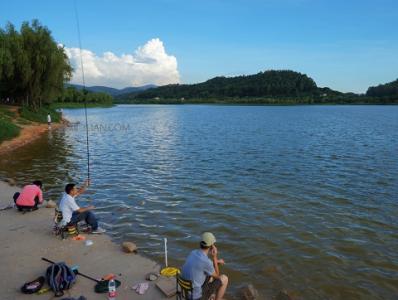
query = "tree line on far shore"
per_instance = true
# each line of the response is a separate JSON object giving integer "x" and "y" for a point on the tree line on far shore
{"x": 388, "y": 90}
{"x": 34, "y": 69}
{"x": 73, "y": 95}
{"x": 273, "y": 83}
{"x": 269, "y": 87}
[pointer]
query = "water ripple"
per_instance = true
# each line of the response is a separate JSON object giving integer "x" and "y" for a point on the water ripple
{"x": 302, "y": 196}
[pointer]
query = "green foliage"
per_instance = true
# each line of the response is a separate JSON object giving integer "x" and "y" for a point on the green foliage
{"x": 8, "y": 130}
{"x": 40, "y": 115}
{"x": 270, "y": 87}
{"x": 264, "y": 84}
{"x": 22, "y": 122}
{"x": 72, "y": 95}
{"x": 384, "y": 91}
{"x": 33, "y": 67}
{"x": 6, "y": 112}
{"x": 58, "y": 105}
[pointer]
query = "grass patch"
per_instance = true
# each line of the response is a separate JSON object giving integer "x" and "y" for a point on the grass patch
{"x": 23, "y": 122}
{"x": 79, "y": 105}
{"x": 8, "y": 130}
{"x": 39, "y": 115}
{"x": 5, "y": 111}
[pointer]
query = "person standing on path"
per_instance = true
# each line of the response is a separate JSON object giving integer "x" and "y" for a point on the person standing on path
{"x": 49, "y": 120}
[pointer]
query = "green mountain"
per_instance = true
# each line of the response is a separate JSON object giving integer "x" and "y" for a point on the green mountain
{"x": 388, "y": 90}
{"x": 264, "y": 84}
{"x": 111, "y": 91}
{"x": 269, "y": 87}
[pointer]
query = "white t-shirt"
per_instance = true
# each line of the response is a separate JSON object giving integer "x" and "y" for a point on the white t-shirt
{"x": 67, "y": 206}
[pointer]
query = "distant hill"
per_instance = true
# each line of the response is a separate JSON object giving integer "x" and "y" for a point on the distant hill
{"x": 269, "y": 87}
{"x": 137, "y": 89}
{"x": 388, "y": 90}
{"x": 112, "y": 91}
{"x": 272, "y": 83}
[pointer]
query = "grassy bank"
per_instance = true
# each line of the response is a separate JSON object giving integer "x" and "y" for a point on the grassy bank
{"x": 13, "y": 118}
{"x": 39, "y": 115}
{"x": 79, "y": 105}
{"x": 8, "y": 129}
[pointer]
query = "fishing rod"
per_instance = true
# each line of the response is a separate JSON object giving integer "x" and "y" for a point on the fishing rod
{"x": 76, "y": 271}
{"x": 84, "y": 90}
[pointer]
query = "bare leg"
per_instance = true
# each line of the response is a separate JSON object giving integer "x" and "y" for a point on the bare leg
{"x": 222, "y": 289}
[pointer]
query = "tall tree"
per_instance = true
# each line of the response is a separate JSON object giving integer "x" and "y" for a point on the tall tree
{"x": 33, "y": 67}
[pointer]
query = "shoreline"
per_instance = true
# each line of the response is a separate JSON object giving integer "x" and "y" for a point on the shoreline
{"x": 256, "y": 104}
{"x": 28, "y": 134}
{"x": 28, "y": 237}
{"x": 79, "y": 105}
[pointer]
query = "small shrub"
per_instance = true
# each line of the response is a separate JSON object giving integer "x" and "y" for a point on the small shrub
{"x": 8, "y": 130}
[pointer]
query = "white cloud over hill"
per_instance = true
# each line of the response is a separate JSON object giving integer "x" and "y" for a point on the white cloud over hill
{"x": 149, "y": 64}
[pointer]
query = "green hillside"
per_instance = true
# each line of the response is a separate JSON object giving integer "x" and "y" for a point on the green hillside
{"x": 386, "y": 91}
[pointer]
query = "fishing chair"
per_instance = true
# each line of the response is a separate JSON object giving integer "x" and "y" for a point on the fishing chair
{"x": 64, "y": 230}
{"x": 183, "y": 288}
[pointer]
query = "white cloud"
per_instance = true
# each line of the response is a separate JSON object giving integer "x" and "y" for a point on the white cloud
{"x": 149, "y": 64}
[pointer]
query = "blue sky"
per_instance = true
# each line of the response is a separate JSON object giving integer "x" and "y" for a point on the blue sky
{"x": 346, "y": 45}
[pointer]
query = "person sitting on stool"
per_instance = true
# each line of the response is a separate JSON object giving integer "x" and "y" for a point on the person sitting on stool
{"x": 30, "y": 196}
{"x": 204, "y": 273}
{"x": 72, "y": 213}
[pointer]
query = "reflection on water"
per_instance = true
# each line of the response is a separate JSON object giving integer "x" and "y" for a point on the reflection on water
{"x": 302, "y": 198}
{"x": 50, "y": 157}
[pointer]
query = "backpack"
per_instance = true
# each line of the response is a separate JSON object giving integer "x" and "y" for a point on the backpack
{"x": 60, "y": 277}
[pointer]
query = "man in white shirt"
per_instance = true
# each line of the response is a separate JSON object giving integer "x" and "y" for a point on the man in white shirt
{"x": 72, "y": 213}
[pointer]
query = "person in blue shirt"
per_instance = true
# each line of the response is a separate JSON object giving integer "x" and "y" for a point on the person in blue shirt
{"x": 203, "y": 272}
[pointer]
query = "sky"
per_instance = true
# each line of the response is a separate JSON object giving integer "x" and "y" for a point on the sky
{"x": 347, "y": 45}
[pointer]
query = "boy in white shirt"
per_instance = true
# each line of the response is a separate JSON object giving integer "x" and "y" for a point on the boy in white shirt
{"x": 72, "y": 213}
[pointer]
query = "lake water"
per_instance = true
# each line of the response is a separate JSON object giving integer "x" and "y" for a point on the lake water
{"x": 302, "y": 198}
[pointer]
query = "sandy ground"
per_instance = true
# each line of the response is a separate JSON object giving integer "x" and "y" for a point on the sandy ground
{"x": 25, "y": 238}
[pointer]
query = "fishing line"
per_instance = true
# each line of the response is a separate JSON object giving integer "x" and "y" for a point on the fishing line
{"x": 84, "y": 89}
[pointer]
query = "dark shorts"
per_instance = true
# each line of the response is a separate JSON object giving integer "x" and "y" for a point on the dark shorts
{"x": 26, "y": 208}
{"x": 210, "y": 287}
